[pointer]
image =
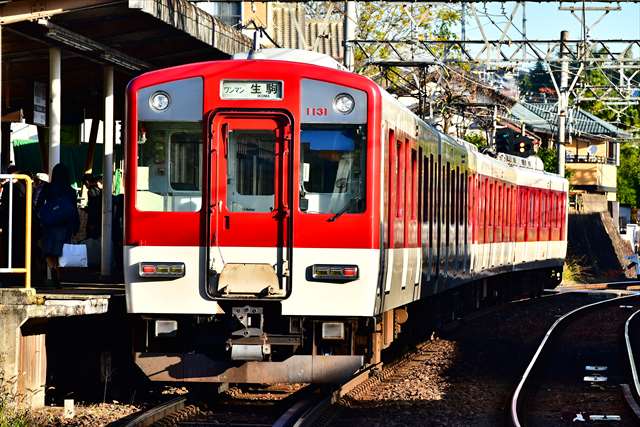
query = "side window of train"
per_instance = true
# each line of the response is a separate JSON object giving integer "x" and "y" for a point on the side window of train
{"x": 169, "y": 166}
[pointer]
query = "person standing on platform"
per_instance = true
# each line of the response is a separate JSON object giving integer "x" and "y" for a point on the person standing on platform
{"x": 58, "y": 216}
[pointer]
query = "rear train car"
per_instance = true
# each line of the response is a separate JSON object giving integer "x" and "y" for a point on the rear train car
{"x": 281, "y": 216}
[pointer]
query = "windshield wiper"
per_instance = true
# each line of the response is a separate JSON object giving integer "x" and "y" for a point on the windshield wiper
{"x": 344, "y": 209}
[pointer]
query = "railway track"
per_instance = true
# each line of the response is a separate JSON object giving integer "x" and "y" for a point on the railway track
{"x": 347, "y": 404}
{"x": 581, "y": 369}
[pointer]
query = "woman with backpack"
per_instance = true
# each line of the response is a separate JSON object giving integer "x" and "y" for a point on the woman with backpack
{"x": 58, "y": 216}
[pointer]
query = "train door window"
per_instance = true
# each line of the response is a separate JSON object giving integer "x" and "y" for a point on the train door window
{"x": 471, "y": 194}
{"x": 415, "y": 194}
{"x": 169, "y": 173}
{"x": 549, "y": 208}
{"x": 463, "y": 198}
{"x": 392, "y": 183}
{"x": 431, "y": 194}
{"x": 524, "y": 203}
{"x": 514, "y": 212}
{"x": 445, "y": 194}
{"x": 438, "y": 200}
{"x": 505, "y": 223}
{"x": 482, "y": 212}
{"x": 333, "y": 161}
{"x": 554, "y": 210}
{"x": 499, "y": 205}
{"x": 424, "y": 189}
{"x": 250, "y": 170}
{"x": 561, "y": 214}
{"x": 400, "y": 175}
{"x": 491, "y": 205}
{"x": 531, "y": 208}
{"x": 543, "y": 209}
{"x": 452, "y": 197}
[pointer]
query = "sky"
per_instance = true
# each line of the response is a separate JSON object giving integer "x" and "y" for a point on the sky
{"x": 545, "y": 21}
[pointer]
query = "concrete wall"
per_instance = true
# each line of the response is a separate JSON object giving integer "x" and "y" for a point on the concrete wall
{"x": 23, "y": 322}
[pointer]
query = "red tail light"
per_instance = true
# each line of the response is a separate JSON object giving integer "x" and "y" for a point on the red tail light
{"x": 168, "y": 270}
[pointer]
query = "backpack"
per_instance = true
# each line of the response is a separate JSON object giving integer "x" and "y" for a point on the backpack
{"x": 58, "y": 211}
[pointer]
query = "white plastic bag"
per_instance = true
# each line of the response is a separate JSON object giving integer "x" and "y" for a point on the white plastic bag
{"x": 73, "y": 256}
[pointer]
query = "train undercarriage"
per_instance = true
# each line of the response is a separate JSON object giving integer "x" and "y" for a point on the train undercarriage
{"x": 253, "y": 343}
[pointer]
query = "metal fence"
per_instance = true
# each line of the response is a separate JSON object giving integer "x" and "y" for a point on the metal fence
{"x": 9, "y": 183}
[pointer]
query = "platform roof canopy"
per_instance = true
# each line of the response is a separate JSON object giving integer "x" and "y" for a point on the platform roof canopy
{"x": 134, "y": 36}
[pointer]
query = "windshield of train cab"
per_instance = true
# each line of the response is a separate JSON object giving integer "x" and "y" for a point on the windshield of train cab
{"x": 332, "y": 168}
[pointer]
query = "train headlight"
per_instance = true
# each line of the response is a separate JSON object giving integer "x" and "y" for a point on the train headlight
{"x": 344, "y": 103}
{"x": 334, "y": 273}
{"x": 159, "y": 101}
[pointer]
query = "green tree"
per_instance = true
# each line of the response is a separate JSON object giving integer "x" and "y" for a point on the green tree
{"x": 537, "y": 81}
{"x": 629, "y": 174}
{"x": 381, "y": 20}
{"x": 476, "y": 139}
{"x": 549, "y": 158}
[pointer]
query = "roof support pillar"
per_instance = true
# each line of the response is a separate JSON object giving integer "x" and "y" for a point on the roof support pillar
{"x": 107, "y": 170}
{"x": 5, "y": 138}
{"x": 55, "y": 106}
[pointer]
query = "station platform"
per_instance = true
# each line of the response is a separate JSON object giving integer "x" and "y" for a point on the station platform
{"x": 25, "y": 316}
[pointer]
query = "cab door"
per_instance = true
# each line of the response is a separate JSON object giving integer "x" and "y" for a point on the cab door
{"x": 250, "y": 220}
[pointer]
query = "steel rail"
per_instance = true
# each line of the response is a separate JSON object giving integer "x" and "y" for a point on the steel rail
{"x": 632, "y": 362}
{"x": 307, "y": 412}
{"x": 515, "y": 420}
{"x": 147, "y": 418}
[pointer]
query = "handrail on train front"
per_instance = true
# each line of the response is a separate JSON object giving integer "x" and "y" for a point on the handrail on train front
{"x": 11, "y": 180}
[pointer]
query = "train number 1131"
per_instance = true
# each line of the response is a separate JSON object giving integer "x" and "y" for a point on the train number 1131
{"x": 317, "y": 111}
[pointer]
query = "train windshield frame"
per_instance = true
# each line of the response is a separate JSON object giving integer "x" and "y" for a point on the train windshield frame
{"x": 333, "y": 168}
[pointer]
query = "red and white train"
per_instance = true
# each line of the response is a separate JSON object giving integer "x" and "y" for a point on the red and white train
{"x": 282, "y": 215}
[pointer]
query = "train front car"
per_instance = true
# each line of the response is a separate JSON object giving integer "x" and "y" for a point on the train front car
{"x": 252, "y": 221}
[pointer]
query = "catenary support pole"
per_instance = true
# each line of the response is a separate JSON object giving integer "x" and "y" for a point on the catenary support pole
{"x": 55, "y": 106}
{"x": 107, "y": 171}
{"x": 563, "y": 100}
{"x": 350, "y": 20}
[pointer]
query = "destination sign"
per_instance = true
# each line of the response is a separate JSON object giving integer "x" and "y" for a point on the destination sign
{"x": 251, "y": 89}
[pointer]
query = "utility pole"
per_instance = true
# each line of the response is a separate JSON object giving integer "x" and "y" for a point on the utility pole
{"x": 563, "y": 100}
{"x": 350, "y": 20}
